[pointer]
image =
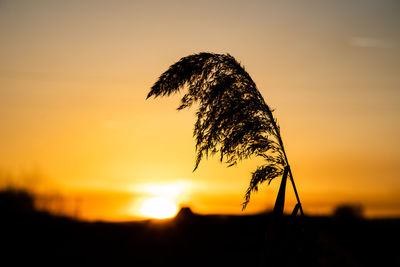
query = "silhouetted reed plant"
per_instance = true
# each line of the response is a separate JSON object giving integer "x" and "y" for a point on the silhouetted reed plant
{"x": 233, "y": 120}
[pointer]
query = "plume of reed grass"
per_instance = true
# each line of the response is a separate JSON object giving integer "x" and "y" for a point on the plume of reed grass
{"x": 233, "y": 120}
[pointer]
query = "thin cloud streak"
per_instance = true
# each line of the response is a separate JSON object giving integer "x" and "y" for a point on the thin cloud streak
{"x": 367, "y": 42}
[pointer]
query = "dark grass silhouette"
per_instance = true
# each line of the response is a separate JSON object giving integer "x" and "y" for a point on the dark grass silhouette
{"x": 233, "y": 120}
{"x": 32, "y": 238}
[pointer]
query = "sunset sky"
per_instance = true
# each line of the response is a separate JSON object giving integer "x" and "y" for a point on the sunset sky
{"x": 75, "y": 121}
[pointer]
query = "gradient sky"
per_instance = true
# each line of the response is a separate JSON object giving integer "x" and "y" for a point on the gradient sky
{"x": 74, "y": 76}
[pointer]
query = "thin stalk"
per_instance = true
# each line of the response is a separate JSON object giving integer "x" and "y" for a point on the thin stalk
{"x": 278, "y": 136}
{"x": 287, "y": 163}
{"x": 295, "y": 192}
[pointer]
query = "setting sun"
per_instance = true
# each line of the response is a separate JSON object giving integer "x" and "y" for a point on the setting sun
{"x": 159, "y": 208}
{"x": 160, "y": 201}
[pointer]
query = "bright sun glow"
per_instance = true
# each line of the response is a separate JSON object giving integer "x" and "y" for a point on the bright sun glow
{"x": 163, "y": 199}
{"x": 159, "y": 208}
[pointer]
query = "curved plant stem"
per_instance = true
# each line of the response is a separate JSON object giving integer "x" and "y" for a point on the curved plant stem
{"x": 279, "y": 138}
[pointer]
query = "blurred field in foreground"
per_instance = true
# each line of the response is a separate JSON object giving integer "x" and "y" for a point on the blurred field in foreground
{"x": 37, "y": 238}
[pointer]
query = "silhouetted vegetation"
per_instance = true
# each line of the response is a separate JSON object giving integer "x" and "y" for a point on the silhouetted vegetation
{"x": 233, "y": 120}
{"x": 31, "y": 238}
{"x": 16, "y": 201}
{"x": 349, "y": 211}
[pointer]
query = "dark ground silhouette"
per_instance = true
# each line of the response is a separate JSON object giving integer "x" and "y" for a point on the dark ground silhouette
{"x": 32, "y": 238}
